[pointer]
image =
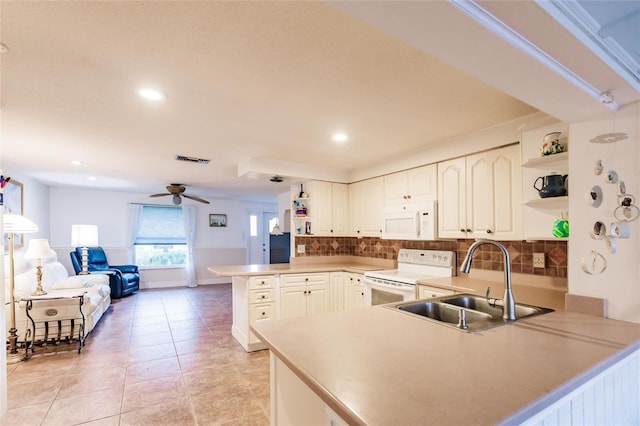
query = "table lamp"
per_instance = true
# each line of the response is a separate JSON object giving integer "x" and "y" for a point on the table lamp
{"x": 39, "y": 249}
{"x": 84, "y": 236}
{"x": 14, "y": 224}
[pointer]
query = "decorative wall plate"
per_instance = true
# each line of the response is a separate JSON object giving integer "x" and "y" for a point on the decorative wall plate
{"x": 593, "y": 263}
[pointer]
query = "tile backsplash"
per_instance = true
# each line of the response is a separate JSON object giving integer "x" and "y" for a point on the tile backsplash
{"x": 486, "y": 257}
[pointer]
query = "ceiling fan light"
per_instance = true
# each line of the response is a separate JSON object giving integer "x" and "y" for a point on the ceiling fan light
{"x": 176, "y": 199}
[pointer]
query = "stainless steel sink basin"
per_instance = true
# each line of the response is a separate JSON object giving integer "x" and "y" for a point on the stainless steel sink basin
{"x": 442, "y": 312}
{"x": 478, "y": 313}
{"x": 481, "y": 304}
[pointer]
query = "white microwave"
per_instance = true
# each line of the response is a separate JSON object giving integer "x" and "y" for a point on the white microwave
{"x": 410, "y": 222}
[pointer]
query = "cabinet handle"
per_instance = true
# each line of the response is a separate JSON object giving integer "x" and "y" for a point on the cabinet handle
{"x": 462, "y": 230}
{"x": 262, "y": 297}
{"x": 488, "y": 231}
{"x": 468, "y": 230}
{"x": 264, "y": 313}
{"x": 262, "y": 282}
{"x": 306, "y": 279}
{"x": 408, "y": 197}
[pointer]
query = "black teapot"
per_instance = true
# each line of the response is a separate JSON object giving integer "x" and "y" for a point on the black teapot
{"x": 552, "y": 186}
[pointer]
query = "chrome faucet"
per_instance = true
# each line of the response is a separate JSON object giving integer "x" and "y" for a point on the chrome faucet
{"x": 508, "y": 302}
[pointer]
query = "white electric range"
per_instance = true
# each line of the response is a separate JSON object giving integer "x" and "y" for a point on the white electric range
{"x": 398, "y": 285}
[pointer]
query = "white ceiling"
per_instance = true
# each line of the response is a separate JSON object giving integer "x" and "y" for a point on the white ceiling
{"x": 260, "y": 83}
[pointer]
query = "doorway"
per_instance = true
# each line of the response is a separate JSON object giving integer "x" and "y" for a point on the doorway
{"x": 260, "y": 224}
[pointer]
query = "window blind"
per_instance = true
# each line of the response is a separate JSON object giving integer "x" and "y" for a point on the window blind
{"x": 160, "y": 225}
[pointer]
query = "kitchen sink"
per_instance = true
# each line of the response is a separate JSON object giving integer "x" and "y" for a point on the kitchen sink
{"x": 479, "y": 313}
{"x": 442, "y": 312}
{"x": 479, "y": 303}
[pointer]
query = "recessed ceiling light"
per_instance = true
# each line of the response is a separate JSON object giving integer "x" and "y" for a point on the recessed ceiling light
{"x": 92, "y": 178}
{"x": 152, "y": 94}
{"x": 339, "y": 137}
{"x": 76, "y": 163}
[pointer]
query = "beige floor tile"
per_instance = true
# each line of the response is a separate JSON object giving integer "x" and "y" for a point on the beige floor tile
{"x": 151, "y": 339}
{"x": 204, "y": 358}
{"x": 152, "y": 392}
{"x": 191, "y": 346}
{"x": 220, "y": 406}
{"x": 91, "y": 358}
{"x": 105, "y": 421}
{"x": 149, "y": 353}
{"x": 84, "y": 408}
{"x": 148, "y": 370}
{"x": 20, "y": 394}
{"x": 27, "y": 415}
{"x": 176, "y": 413}
{"x": 214, "y": 379}
{"x": 92, "y": 379}
{"x": 152, "y": 328}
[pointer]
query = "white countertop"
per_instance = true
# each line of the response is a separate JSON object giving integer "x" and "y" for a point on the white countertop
{"x": 288, "y": 268}
{"x": 379, "y": 367}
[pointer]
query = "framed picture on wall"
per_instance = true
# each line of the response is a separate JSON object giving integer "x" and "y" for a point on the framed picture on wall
{"x": 217, "y": 220}
{"x": 13, "y": 196}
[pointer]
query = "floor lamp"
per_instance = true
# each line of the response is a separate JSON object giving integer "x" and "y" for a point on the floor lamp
{"x": 84, "y": 236}
{"x": 14, "y": 224}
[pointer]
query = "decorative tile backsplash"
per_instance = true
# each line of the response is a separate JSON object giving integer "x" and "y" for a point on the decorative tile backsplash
{"x": 485, "y": 257}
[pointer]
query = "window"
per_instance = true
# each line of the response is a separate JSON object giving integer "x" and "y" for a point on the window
{"x": 253, "y": 225}
{"x": 160, "y": 238}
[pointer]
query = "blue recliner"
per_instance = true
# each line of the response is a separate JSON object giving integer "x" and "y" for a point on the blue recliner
{"x": 123, "y": 279}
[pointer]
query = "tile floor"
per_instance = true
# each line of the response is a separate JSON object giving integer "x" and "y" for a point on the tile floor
{"x": 159, "y": 357}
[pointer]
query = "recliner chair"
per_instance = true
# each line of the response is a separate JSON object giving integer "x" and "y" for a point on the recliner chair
{"x": 123, "y": 279}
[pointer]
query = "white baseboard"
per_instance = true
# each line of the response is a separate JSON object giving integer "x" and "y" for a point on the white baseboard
{"x": 169, "y": 284}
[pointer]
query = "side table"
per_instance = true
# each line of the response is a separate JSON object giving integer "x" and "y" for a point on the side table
{"x": 54, "y": 317}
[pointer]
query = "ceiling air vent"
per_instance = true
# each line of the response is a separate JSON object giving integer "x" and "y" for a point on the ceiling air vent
{"x": 192, "y": 159}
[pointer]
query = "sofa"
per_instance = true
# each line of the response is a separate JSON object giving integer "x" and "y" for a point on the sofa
{"x": 123, "y": 279}
{"x": 57, "y": 283}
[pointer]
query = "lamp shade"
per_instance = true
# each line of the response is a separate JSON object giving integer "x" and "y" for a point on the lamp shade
{"x": 39, "y": 248}
{"x": 276, "y": 230}
{"x": 16, "y": 224}
{"x": 84, "y": 235}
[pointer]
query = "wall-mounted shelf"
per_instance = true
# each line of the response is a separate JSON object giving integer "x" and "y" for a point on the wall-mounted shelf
{"x": 550, "y": 202}
{"x": 548, "y": 162}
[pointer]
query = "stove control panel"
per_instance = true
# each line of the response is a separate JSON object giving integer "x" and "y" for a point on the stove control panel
{"x": 445, "y": 259}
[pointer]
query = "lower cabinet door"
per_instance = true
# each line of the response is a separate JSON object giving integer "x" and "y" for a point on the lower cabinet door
{"x": 317, "y": 299}
{"x": 293, "y": 301}
{"x": 260, "y": 312}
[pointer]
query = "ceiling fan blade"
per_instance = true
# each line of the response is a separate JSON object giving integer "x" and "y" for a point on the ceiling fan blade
{"x": 191, "y": 197}
{"x": 159, "y": 195}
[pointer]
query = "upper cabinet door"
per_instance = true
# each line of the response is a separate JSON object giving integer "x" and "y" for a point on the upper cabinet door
{"x": 411, "y": 186}
{"x": 452, "y": 210}
{"x": 340, "y": 210}
{"x": 494, "y": 208}
{"x": 422, "y": 183}
{"x": 322, "y": 208}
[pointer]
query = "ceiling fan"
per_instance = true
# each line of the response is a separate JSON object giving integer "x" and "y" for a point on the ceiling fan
{"x": 177, "y": 191}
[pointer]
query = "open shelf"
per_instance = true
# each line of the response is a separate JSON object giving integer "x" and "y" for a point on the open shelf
{"x": 550, "y": 202}
{"x": 548, "y": 162}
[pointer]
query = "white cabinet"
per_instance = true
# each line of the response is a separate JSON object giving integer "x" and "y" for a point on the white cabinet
{"x": 331, "y": 208}
{"x": 254, "y": 299}
{"x": 303, "y": 295}
{"x": 539, "y": 214}
{"x": 336, "y": 291}
{"x": 412, "y": 186}
{"x": 479, "y": 196}
{"x": 366, "y": 200}
{"x": 353, "y": 291}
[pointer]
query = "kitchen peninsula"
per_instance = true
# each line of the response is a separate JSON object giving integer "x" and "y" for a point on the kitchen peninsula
{"x": 377, "y": 366}
{"x": 267, "y": 292}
